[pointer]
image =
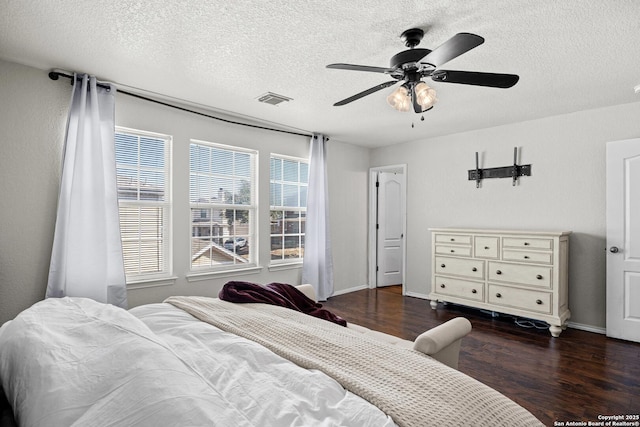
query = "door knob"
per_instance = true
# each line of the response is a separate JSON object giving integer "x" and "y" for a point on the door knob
{"x": 614, "y": 249}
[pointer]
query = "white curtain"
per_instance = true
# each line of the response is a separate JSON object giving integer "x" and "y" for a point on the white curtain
{"x": 86, "y": 260}
{"x": 317, "y": 267}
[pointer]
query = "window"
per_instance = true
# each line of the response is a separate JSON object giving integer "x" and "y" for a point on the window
{"x": 288, "y": 201}
{"x": 144, "y": 200}
{"x": 223, "y": 206}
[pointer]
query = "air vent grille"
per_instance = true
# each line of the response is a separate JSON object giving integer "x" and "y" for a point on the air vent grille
{"x": 273, "y": 98}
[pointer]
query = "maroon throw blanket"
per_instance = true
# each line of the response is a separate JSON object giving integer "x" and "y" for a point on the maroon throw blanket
{"x": 277, "y": 294}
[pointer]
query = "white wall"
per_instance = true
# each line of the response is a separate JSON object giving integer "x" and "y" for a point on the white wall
{"x": 183, "y": 126}
{"x": 32, "y": 123}
{"x": 348, "y": 205}
{"x": 565, "y": 192}
{"x": 347, "y": 163}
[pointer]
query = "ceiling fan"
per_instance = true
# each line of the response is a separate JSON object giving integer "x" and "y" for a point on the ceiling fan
{"x": 411, "y": 65}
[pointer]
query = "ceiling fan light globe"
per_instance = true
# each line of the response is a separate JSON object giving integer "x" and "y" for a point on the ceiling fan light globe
{"x": 428, "y": 104}
{"x": 405, "y": 105}
{"x": 399, "y": 99}
{"x": 425, "y": 95}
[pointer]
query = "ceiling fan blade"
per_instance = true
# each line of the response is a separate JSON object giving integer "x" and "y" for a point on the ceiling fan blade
{"x": 360, "y": 68}
{"x": 452, "y": 48}
{"x": 365, "y": 93}
{"x": 476, "y": 78}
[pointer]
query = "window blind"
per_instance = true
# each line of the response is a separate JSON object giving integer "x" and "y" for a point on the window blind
{"x": 222, "y": 198}
{"x": 143, "y": 175}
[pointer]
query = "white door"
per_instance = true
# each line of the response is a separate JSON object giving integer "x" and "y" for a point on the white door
{"x": 623, "y": 239}
{"x": 390, "y": 228}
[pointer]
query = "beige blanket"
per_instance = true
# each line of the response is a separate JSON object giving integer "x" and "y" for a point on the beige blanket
{"x": 414, "y": 389}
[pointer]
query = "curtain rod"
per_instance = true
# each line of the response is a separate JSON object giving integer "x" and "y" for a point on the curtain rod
{"x": 55, "y": 75}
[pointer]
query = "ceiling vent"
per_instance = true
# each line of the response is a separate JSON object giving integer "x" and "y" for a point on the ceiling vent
{"x": 273, "y": 98}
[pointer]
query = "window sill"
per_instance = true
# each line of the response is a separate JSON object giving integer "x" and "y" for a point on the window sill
{"x": 285, "y": 266}
{"x": 195, "y": 277}
{"x": 151, "y": 282}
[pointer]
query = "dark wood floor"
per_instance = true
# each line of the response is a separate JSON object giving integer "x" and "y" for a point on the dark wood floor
{"x": 575, "y": 377}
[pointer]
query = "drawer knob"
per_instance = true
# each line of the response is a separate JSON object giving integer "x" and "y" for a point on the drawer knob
{"x": 539, "y": 277}
{"x": 498, "y": 272}
{"x": 486, "y": 247}
{"x": 474, "y": 269}
{"x": 539, "y": 301}
{"x": 473, "y": 291}
{"x": 442, "y": 286}
{"x": 526, "y": 257}
{"x": 498, "y": 295}
{"x": 452, "y": 251}
{"x": 442, "y": 265}
{"x": 453, "y": 240}
{"x": 526, "y": 243}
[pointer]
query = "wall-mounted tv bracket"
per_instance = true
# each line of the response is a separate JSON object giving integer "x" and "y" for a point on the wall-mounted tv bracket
{"x": 512, "y": 172}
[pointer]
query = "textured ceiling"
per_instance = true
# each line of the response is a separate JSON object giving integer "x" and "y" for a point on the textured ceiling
{"x": 570, "y": 55}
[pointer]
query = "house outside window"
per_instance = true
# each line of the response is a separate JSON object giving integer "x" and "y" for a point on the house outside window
{"x": 223, "y": 206}
{"x": 289, "y": 178}
{"x": 143, "y": 161}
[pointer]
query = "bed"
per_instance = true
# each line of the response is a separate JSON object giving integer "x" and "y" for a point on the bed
{"x": 194, "y": 361}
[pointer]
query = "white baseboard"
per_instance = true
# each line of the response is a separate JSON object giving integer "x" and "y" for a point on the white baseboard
{"x": 349, "y": 290}
{"x": 587, "y": 328}
{"x": 361, "y": 287}
{"x": 416, "y": 295}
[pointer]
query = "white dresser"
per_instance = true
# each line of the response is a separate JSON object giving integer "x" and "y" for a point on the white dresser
{"x": 523, "y": 273}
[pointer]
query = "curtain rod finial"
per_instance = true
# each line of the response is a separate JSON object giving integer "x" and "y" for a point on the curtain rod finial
{"x": 53, "y": 75}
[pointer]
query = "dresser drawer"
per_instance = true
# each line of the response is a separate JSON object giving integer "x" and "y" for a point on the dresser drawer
{"x": 458, "y": 239}
{"x": 459, "y": 288}
{"x": 527, "y": 243}
{"x": 460, "y": 267}
{"x": 523, "y": 299}
{"x": 486, "y": 247}
{"x": 453, "y": 250}
{"x": 531, "y": 275}
{"x": 527, "y": 256}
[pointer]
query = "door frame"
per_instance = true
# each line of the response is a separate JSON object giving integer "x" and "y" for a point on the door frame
{"x": 373, "y": 205}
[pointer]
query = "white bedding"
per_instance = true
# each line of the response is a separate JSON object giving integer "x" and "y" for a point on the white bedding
{"x": 270, "y": 390}
{"x": 98, "y": 365}
{"x": 411, "y": 387}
